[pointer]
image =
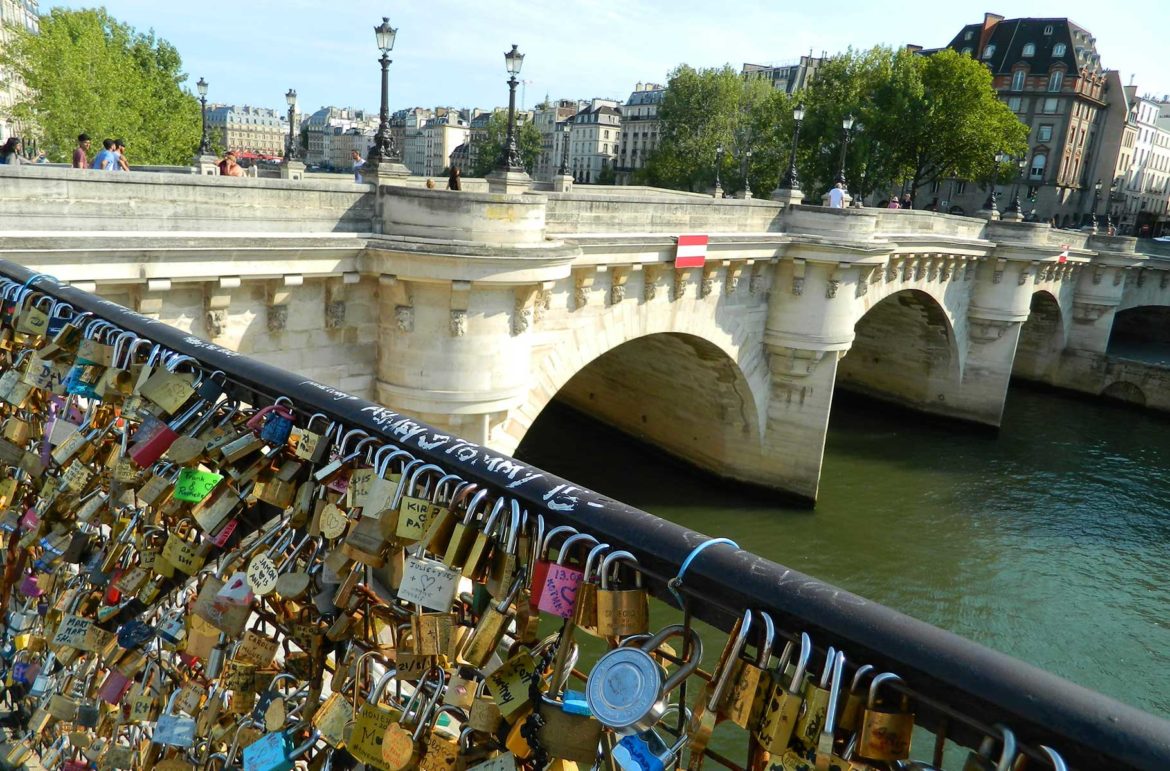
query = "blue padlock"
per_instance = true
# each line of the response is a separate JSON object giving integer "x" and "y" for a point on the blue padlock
{"x": 275, "y": 752}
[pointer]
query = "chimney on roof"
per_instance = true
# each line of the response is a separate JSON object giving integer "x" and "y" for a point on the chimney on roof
{"x": 638, "y": 87}
{"x": 989, "y": 22}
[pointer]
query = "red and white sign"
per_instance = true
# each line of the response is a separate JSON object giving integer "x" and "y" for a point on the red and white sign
{"x": 691, "y": 252}
{"x": 1064, "y": 254}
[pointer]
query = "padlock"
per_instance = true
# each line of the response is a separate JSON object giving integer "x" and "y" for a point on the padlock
{"x": 403, "y": 742}
{"x": 415, "y": 508}
{"x": 273, "y": 423}
{"x": 585, "y": 611}
{"x": 570, "y": 731}
{"x": 489, "y": 632}
{"x": 885, "y": 735}
{"x": 276, "y": 751}
{"x": 173, "y": 730}
{"x": 646, "y": 751}
{"x": 463, "y": 532}
{"x": 149, "y": 447}
{"x": 825, "y": 759}
{"x": 742, "y": 702}
{"x": 505, "y": 561}
{"x": 621, "y": 612}
{"x": 1054, "y": 758}
{"x": 441, "y": 751}
{"x": 855, "y": 699}
{"x": 627, "y": 689}
{"x": 704, "y": 716}
{"x": 982, "y": 760}
{"x": 559, "y": 593}
{"x": 542, "y": 564}
{"x": 814, "y": 707}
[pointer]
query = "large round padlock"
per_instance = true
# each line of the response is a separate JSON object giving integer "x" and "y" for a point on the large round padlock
{"x": 626, "y": 690}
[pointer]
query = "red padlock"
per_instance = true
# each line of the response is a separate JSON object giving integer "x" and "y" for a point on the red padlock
{"x": 151, "y": 447}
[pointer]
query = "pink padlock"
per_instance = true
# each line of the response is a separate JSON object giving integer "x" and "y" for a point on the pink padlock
{"x": 30, "y": 520}
{"x": 559, "y": 593}
{"x": 115, "y": 686}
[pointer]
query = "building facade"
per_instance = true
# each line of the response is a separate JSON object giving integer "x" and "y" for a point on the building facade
{"x": 14, "y": 14}
{"x": 324, "y": 122}
{"x": 640, "y": 129}
{"x": 550, "y": 119}
{"x": 251, "y": 131}
{"x": 339, "y": 145}
{"x": 1148, "y": 181}
{"x": 1049, "y": 73}
{"x": 790, "y": 77}
{"x": 594, "y": 137}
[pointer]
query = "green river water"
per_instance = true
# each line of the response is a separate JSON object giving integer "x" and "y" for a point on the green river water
{"x": 1047, "y": 541}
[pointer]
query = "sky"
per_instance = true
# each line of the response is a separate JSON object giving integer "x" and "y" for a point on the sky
{"x": 450, "y": 52}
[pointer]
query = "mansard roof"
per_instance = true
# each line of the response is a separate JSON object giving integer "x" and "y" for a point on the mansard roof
{"x": 1010, "y": 36}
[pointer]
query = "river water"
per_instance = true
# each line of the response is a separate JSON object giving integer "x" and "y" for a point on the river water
{"x": 1049, "y": 541}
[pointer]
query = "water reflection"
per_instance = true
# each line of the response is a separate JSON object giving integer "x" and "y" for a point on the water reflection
{"x": 1046, "y": 541}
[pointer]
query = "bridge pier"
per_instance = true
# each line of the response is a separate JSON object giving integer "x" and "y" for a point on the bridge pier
{"x": 797, "y": 419}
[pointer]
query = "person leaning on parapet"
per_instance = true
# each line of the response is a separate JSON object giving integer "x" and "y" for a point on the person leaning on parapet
{"x": 228, "y": 166}
{"x": 107, "y": 159}
{"x": 455, "y": 181}
{"x": 358, "y": 162}
{"x": 120, "y": 151}
{"x": 81, "y": 152}
{"x": 10, "y": 152}
{"x": 837, "y": 196}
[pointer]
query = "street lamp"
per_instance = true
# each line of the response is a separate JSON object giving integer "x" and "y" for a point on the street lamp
{"x": 383, "y": 148}
{"x": 1096, "y": 202}
{"x": 510, "y": 155}
{"x": 788, "y": 179}
{"x": 1016, "y": 208}
{"x": 204, "y": 143}
{"x": 989, "y": 204}
{"x": 564, "y": 171}
{"x": 747, "y": 167}
{"x": 290, "y": 153}
{"x": 846, "y": 127}
{"x": 718, "y": 163}
{"x": 1109, "y": 208}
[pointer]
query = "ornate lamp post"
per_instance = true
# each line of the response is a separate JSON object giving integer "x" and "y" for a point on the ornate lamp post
{"x": 204, "y": 143}
{"x": 1015, "y": 210}
{"x": 789, "y": 179}
{"x": 1109, "y": 208}
{"x": 383, "y": 148}
{"x": 989, "y": 208}
{"x": 846, "y": 127}
{"x": 510, "y": 155}
{"x": 290, "y": 152}
{"x": 1096, "y": 203}
{"x": 718, "y": 163}
{"x": 747, "y": 167}
{"x": 564, "y": 170}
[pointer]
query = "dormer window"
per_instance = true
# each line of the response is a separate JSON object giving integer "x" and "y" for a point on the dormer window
{"x": 1059, "y": 49}
{"x": 1048, "y": 30}
{"x": 1029, "y": 49}
{"x": 968, "y": 35}
{"x": 989, "y": 52}
{"x": 968, "y": 52}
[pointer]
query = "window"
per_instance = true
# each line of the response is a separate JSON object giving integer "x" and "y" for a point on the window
{"x": 1051, "y": 105}
{"x": 1038, "y": 162}
{"x": 967, "y": 51}
{"x": 1044, "y": 132}
{"x": 1048, "y": 30}
{"x": 935, "y": 187}
{"x": 962, "y": 188}
{"x": 1059, "y": 49}
{"x": 968, "y": 35}
{"x": 1029, "y": 49}
{"x": 607, "y": 133}
{"x": 1055, "y": 80}
{"x": 1014, "y": 103}
{"x": 1018, "y": 80}
{"x": 989, "y": 52}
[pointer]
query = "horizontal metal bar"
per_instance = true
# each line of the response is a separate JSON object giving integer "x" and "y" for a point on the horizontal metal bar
{"x": 1093, "y": 731}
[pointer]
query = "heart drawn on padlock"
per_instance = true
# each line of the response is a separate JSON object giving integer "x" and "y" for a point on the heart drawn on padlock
{"x": 568, "y": 595}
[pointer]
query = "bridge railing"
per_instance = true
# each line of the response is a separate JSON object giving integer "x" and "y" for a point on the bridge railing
{"x": 960, "y": 689}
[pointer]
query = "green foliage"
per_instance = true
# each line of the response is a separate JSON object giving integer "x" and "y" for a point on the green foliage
{"x": 700, "y": 111}
{"x": 917, "y": 119}
{"x": 88, "y": 72}
{"x": 607, "y": 175}
{"x": 527, "y": 140}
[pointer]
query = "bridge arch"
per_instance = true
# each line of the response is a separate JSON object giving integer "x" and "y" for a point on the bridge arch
{"x": 694, "y": 385}
{"x": 1042, "y": 338}
{"x": 1141, "y": 332}
{"x": 904, "y": 351}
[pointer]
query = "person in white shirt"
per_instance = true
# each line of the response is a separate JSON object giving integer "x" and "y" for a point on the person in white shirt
{"x": 837, "y": 196}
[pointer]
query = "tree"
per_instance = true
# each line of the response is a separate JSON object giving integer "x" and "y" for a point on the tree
{"x": 918, "y": 119}
{"x": 88, "y": 72}
{"x": 527, "y": 140}
{"x": 700, "y": 111}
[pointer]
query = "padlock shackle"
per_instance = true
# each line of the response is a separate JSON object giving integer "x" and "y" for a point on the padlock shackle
{"x": 686, "y": 668}
{"x": 827, "y": 672}
{"x": 568, "y": 544}
{"x": 802, "y": 663}
{"x": 769, "y": 639}
{"x": 616, "y": 557}
{"x": 1054, "y": 758}
{"x": 441, "y": 485}
{"x": 859, "y": 675}
{"x": 1007, "y": 755}
{"x": 391, "y": 452}
{"x": 838, "y": 668}
{"x": 479, "y": 497}
{"x": 878, "y": 680}
{"x": 591, "y": 560}
{"x": 737, "y": 644}
{"x": 343, "y": 444}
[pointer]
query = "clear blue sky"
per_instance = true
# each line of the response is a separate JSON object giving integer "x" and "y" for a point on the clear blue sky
{"x": 450, "y": 52}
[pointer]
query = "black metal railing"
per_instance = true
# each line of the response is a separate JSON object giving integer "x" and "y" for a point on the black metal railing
{"x": 960, "y": 687}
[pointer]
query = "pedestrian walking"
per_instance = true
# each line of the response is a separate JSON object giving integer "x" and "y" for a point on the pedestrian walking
{"x": 81, "y": 152}
{"x": 455, "y": 181}
{"x": 120, "y": 149}
{"x": 358, "y": 162}
{"x": 10, "y": 152}
{"x": 837, "y": 196}
{"x": 107, "y": 159}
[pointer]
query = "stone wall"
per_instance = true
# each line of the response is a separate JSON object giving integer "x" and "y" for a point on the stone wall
{"x": 690, "y": 213}
{"x": 54, "y": 200}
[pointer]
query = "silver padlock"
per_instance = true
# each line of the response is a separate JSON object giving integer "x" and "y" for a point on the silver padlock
{"x": 626, "y": 689}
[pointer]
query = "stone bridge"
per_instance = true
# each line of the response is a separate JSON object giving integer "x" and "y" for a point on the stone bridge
{"x": 475, "y": 310}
